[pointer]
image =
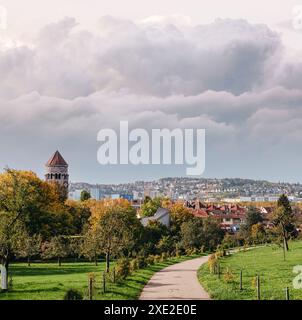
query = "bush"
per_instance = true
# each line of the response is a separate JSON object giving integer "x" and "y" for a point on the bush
{"x": 157, "y": 258}
{"x": 164, "y": 257}
{"x": 134, "y": 264}
{"x": 212, "y": 263}
{"x": 142, "y": 263}
{"x": 73, "y": 294}
{"x": 228, "y": 276}
{"x": 191, "y": 251}
{"x": 150, "y": 260}
{"x": 122, "y": 268}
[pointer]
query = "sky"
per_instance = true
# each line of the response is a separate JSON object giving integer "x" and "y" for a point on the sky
{"x": 69, "y": 69}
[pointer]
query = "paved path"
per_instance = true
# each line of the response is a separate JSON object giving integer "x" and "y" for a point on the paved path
{"x": 176, "y": 282}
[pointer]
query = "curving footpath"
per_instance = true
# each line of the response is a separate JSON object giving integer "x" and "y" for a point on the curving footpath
{"x": 176, "y": 282}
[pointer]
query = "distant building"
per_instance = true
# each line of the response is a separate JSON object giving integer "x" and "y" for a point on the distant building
{"x": 57, "y": 170}
{"x": 128, "y": 197}
{"x": 75, "y": 195}
{"x": 96, "y": 193}
{"x": 162, "y": 215}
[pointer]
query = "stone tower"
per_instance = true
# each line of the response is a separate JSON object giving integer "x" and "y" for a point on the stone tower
{"x": 57, "y": 170}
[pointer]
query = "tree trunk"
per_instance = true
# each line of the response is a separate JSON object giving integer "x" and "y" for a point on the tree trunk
{"x": 96, "y": 260}
{"x": 4, "y": 275}
{"x": 28, "y": 261}
{"x": 107, "y": 262}
{"x": 59, "y": 261}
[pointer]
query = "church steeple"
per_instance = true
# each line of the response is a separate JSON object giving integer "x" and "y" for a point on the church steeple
{"x": 57, "y": 170}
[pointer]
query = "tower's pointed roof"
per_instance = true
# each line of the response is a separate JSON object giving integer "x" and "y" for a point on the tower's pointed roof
{"x": 56, "y": 160}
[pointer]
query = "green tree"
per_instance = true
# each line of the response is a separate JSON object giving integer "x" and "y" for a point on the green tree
{"x": 115, "y": 232}
{"x": 253, "y": 216}
{"x": 201, "y": 232}
{"x": 11, "y": 230}
{"x": 191, "y": 233}
{"x": 90, "y": 246}
{"x": 57, "y": 247}
{"x": 150, "y": 206}
{"x": 283, "y": 219}
{"x": 23, "y": 198}
{"x": 85, "y": 195}
{"x": 28, "y": 246}
{"x": 151, "y": 236}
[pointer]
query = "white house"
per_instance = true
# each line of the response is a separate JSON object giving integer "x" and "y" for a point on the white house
{"x": 162, "y": 215}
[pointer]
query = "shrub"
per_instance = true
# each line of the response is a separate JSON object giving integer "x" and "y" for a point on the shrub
{"x": 157, "y": 259}
{"x": 73, "y": 294}
{"x": 164, "y": 257}
{"x": 134, "y": 264}
{"x": 212, "y": 263}
{"x": 150, "y": 260}
{"x": 142, "y": 263}
{"x": 122, "y": 269}
{"x": 228, "y": 276}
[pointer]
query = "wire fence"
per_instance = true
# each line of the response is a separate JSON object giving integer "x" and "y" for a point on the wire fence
{"x": 100, "y": 284}
{"x": 244, "y": 284}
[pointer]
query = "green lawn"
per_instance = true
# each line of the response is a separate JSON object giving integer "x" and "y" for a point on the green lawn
{"x": 275, "y": 274}
{"x": 48, "y": 281}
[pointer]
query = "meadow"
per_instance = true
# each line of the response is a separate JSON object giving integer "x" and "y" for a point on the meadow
{"x": 48, "y": 281}
{"x": 275, "y": 274}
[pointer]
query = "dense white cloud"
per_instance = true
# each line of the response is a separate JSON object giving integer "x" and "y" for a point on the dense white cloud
{"x": 230, "y": 77}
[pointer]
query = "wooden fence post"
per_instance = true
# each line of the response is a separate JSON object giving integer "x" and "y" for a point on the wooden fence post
{"x": 240, "y": 286}
{"x": 90, "y": 287}
{"x": 258, "y": 287}
{"x": 218, "y": 267}
{"x": 286, "y": 293}
{"x": 104, "y": 282}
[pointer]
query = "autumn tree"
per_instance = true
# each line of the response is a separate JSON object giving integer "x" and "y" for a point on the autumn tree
{"x": 90, "y": 245}
{"x": 115, "y": 230}
{"x": 24, "y": 200}
{"x": 283, "y": 220}
{"x": 11, "y": 229}
{"x": 179, "y": 215}
{"x": 57, "y": 247}
{"x": 28, "y": 246}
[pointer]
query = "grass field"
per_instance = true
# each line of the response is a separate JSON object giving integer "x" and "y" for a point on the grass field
{"x": 275, "y": 274}
{"x": 48, "y": 281}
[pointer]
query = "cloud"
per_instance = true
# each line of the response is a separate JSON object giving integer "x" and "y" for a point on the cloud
{"x": 155, "y": 57}
{"x": 230, "y": 77}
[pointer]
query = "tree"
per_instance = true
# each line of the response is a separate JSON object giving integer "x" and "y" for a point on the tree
{"x": 116, "y": 232}
{"x": 90, "y": 246}
{"x": 201, "y": 232}
{"x": 57, "y": 247}
{"x": 23, "y": 198}
{"x": 253, "y": 216}
{"x": 179, "y": 215}
{"x": 258, "y": 233}
{"x": 85, "y": 195}
{"x": 283, "y": 219}
{"x": 151, "y": 236}
{"x": 191, "y": 233}
{"x": 11, "y": 229}
{"x": 150, "y": 206}
{"x": 28, "y": 246}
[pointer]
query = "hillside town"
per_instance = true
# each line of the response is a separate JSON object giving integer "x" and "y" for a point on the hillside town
{"x": 205, "y": 189}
